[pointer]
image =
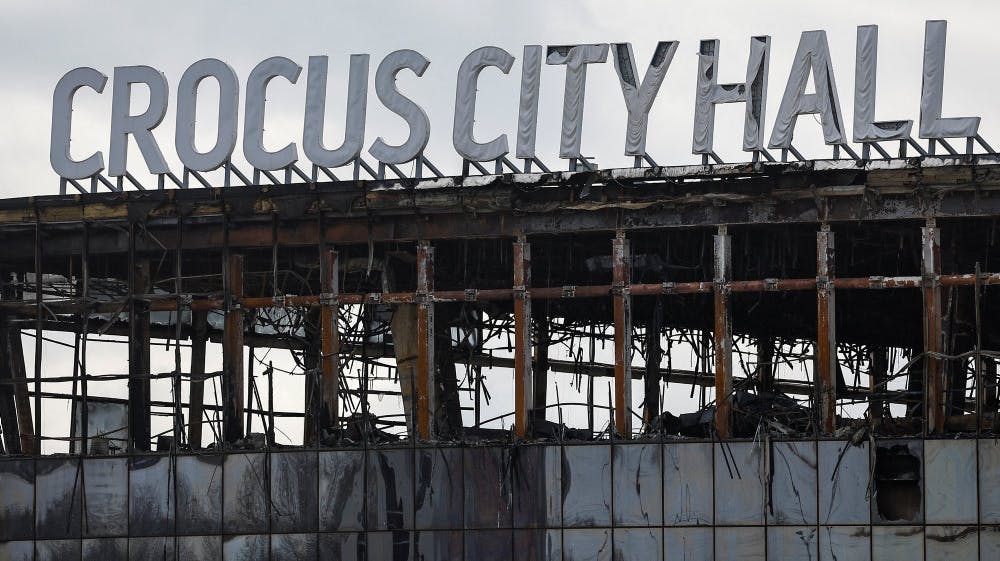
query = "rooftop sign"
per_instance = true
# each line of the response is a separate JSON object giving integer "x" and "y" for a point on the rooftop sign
{"x": 639, "y": 90}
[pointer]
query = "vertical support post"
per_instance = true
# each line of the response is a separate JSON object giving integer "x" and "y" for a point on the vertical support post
{"x": 540, "y": 368}
{"x": 933, "y": 332}
{"x": 22, "y": 401}
{"x": 425, "y": 340}
{"x": 654, "y": 355}
{"x": 199, "y": 324}
{"x": 723, "y": 335}
{"x": 879, "y": 372}
{"x": 330, "y": 342}
{"x": 9, "y": 419}
{"x": 621, "y": 263}
{"x": 138, "y": 349}
{"x": 826, "y": 332}
{"x": 232, "y": 377}
{"x": 523, "y": 375}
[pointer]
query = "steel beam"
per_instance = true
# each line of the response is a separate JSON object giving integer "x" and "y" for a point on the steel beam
{"x": 723, "y": 335}
{"x": 232, "y": 378}
{"x": 425, "y": 341}
{"x": 933, "y": 330}
{"x": 9, "y": 420}
{"x": 826, "y": 332}
{"x": 523, "y": 375}
{"x": 330, "y": 343}
{"x": 878, "y": 375}
{"x": 654, "y": 355}
{"x": 621, "y": 263}
{"x": 138, "y": 352}
{"x": 199, "y": 336}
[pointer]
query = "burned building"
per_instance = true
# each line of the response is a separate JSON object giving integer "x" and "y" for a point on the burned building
{"x": 481, "y": 367}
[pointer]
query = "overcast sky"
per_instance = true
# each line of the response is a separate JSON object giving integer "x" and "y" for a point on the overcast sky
{"x": 41, "y": 41}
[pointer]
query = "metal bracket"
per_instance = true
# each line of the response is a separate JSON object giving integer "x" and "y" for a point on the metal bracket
{"x": 328, "y": 299}
{"x": 771, "y": 285}
{"x": 876, "y": 282}
{"x": 569, "y": 291}
{"x": 471, "y": 294}
{"x": 667, "y": 287}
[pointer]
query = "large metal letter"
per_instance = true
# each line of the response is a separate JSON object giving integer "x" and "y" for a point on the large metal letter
{"x": 141, "y": 126}
{"x": 62, "y": 124}
{"x": 866, "y": 129}
{"x": 253, "y": 122}
{"x": 576, "y": 58}
{"x": 357, "y": 107}
{"x": 527, "y": 115}
{"x": 753, "y": 92}
{"x": 465, "y": 105}
{"x": 187, "y": 103}
{"x": 639, "y": 96}
{"x": 812, "y": 57}
{"x": 415, "y": 117}
{"x": 932, "y": 124}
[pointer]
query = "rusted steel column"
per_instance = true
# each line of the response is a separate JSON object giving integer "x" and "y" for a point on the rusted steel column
{"x": 232, "y": 357}
{"x": 199, "y": 324}
{"x": 330, "y": 343}
{"x": 138, "y": 351}
{"x": 933, "y": 333}
{"x": 523, "y": 374}
{"x": 425, "y": 340}
{"x": 826, "y": 332}
{"x": 654, "y": 354}
{"x": 621, "y": 262}
{"x": 723, "y": 335}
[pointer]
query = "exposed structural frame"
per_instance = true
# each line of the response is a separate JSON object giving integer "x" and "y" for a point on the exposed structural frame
{"x": 36, "y": 230}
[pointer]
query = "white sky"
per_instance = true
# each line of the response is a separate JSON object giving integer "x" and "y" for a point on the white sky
{"x": 41, "y": 41}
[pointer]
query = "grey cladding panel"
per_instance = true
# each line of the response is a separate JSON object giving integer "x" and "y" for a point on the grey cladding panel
{"x": 294, "y": 484}
{"x": 341, "y": 490}
{"x": 439, "y": 498}
{"x": 951, "y": 488}
{"x": 244, "y": 494}
{"x": 487, "y": 488}
{"x": 845, "y": 542}
{"x": 793, "y": 484}
{"x": 537, "y": 480}
{"x": 390, "y": 489}
{"x": 790, "y": 543}
{"x": 687, "y": 484}
{"x": 637, "y": 486}
{"x": 591, "y": 544}
{"x": 245, "y": 548}
{"x": 17, "y": 499}
{"x": 739, "y": 484}
{"x": 843, "y": 483}
{"x": 58, "y": 496}
{"x": 199, "y": 494}
{"x": 586, "y": 480}
{"x": 294, "y": 547}
{"x": 688, "y": 544}
{"x": 151, "y": 490}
